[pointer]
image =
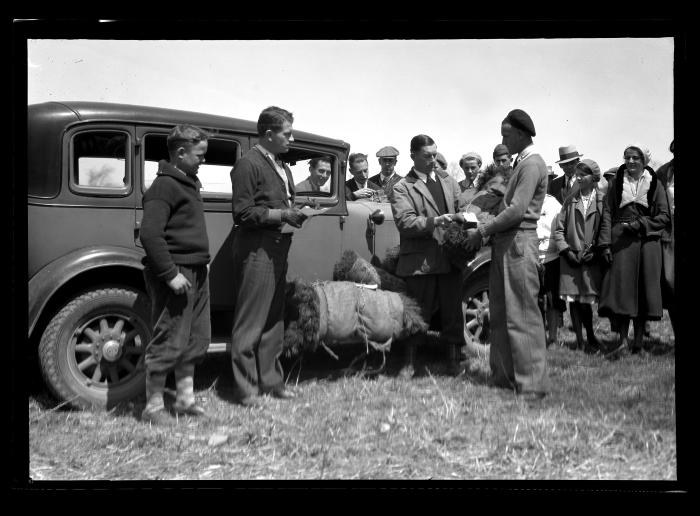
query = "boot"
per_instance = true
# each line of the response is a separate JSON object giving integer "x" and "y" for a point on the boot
{"x": 640, "y": 325}
{"x": 575, "y": 311}
{"x": 592, "y": 344}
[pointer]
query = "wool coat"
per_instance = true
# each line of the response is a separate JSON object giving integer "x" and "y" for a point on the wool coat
{"x": 577, "y": 231}
{"x": 414, "y": 211}
{"x": 632, "y": 286}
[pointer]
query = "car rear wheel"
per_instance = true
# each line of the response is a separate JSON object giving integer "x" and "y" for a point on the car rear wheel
{"x": 92, "y": 351}
{"x": 475, "y": 313}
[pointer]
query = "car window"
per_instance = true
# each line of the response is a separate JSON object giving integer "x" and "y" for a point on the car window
{"x": 299, "y": 162}
{"x": 99, "y": 162}
{"x": 214, "y": 174}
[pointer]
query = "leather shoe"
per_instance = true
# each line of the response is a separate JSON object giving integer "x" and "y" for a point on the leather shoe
{"x": 190, "y": 410}
{"x": 283, "y": 394}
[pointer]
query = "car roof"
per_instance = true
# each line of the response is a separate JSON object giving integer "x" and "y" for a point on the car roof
{"x": 107, "y": 111}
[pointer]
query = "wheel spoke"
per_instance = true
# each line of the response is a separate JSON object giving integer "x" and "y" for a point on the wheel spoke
{"x": 126, "y": 365}
{"x": 133, "y": 350}
{"x": 92, "y": 334}
{"x": 485, "y": 298}
{"x": 97, "y": 375}
{"x": 477, "y": 333}
{"x": 89, "y": 361}
{"x": 471, "y": 324}
{"x": 84, "y": 348}
{"x": 113, "y": 375}
{"x": 477, "y": 302}
{"x": 130, "y": 336}
{"x": 117, "y": 330}
{"x": 472, "y": 312}
{"x": 104, "y": 326}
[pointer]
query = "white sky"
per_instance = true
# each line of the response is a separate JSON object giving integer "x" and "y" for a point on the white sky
{"x": 597, "y": 94}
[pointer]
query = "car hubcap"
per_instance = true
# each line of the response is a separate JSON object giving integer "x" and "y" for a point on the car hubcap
{"x": 107, "y": 350}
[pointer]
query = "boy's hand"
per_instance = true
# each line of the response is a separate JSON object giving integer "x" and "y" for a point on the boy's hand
{"x": 179, "y": 284}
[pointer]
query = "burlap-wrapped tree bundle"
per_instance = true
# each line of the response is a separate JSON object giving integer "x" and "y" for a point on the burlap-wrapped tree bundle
{"x": 334, "y": 313}
{"x": 353, "y": 267}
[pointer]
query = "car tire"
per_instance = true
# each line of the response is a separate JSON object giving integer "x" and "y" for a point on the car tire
{"x": 92, "y": 351}
{"x": 475, "y": 314}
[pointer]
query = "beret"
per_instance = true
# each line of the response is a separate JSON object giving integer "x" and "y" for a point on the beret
{"x": 595, "y": 169}
{"x": 518, "y": 118}
{"x": 387, "y": 152}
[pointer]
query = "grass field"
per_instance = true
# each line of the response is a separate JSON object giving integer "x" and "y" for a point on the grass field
{"x": 603, "y": 420}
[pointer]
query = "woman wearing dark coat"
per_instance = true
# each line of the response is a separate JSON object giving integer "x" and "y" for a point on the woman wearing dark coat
{"x": 635, "y": 216}
{"x": 576, "y": 235}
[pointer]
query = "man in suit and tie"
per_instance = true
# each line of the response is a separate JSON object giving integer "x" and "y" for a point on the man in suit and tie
{"x": 423, "y": 204}
{"x": 518, "y": 349}
{"x": 359, "y": 187}
{"x": 561, "y": 187}
{"x": 387, "y": 177}
{"x": 262, "y": 206}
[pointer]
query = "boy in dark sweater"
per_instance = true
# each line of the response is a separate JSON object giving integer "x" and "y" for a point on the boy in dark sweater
{"x": 174, "y": 236}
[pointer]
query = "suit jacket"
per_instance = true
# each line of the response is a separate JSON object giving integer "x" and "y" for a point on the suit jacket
{"x": 414, "y": 210}
{"x": 351, "y": 186}
{"x": 389, "y": 187}
{"x": 259, "y": 194}
{"x": 557, "y": 189}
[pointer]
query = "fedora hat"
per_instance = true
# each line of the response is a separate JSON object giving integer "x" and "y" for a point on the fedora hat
{"x": 568, "y": 153}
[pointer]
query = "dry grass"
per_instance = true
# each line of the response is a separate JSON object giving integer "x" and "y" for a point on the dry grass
{"x": 604, "y": 420}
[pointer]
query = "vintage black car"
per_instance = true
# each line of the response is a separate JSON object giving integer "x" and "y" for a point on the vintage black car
{"x": 88, "y": 166}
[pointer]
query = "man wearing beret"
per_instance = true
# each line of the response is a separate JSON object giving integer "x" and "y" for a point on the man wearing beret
{"x": 387, "y": 178}
{"x": 518, "y": 349}
{"x": 561, "y": 186}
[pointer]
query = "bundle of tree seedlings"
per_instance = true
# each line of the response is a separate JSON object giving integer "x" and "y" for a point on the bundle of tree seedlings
{"x": 334, "y": 313}
{"x": 353, "y": 267}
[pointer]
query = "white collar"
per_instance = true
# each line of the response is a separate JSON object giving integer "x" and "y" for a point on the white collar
{"x": 527, "y": 152}
{"x": 424, "y": 177}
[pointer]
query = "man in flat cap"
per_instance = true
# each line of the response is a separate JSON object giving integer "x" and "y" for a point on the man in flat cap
{"x": 518, "y": 349}
{"x": 562, "y": 185}
{"x": 470, "y": 163}
{"x": 387, "y": 178}
{"x": 501, "y": 155}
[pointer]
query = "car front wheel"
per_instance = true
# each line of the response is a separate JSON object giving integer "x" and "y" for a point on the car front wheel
{"x": 92, "y": 351}
{"x": 475, "y": 313}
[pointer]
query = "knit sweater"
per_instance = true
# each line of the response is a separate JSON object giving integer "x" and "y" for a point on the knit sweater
{"x": 173, "y": 230}
{"x": 523, "y": 198}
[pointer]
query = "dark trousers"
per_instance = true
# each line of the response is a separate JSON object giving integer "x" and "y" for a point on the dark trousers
{"x": 181, "y": 322}
{"x": 260, "y": 270}
{"x": 440, "y": 292}
{"x": 518, "y": 349}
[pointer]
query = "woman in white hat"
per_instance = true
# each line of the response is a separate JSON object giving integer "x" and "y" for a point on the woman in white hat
{"x": 576, "y": 235}
{"x": 635, "y": 216}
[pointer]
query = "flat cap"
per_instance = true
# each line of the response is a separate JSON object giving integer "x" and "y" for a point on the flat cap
{"x": 500, "y": 149}
{"x": 387, "y": 152}
{"x": 518, "y": 118}
{"x": 592, "y": 165}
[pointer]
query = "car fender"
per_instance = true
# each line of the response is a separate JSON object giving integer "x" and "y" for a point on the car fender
{"x": 44, "y": 284}
{"x": 480, "y": 262}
